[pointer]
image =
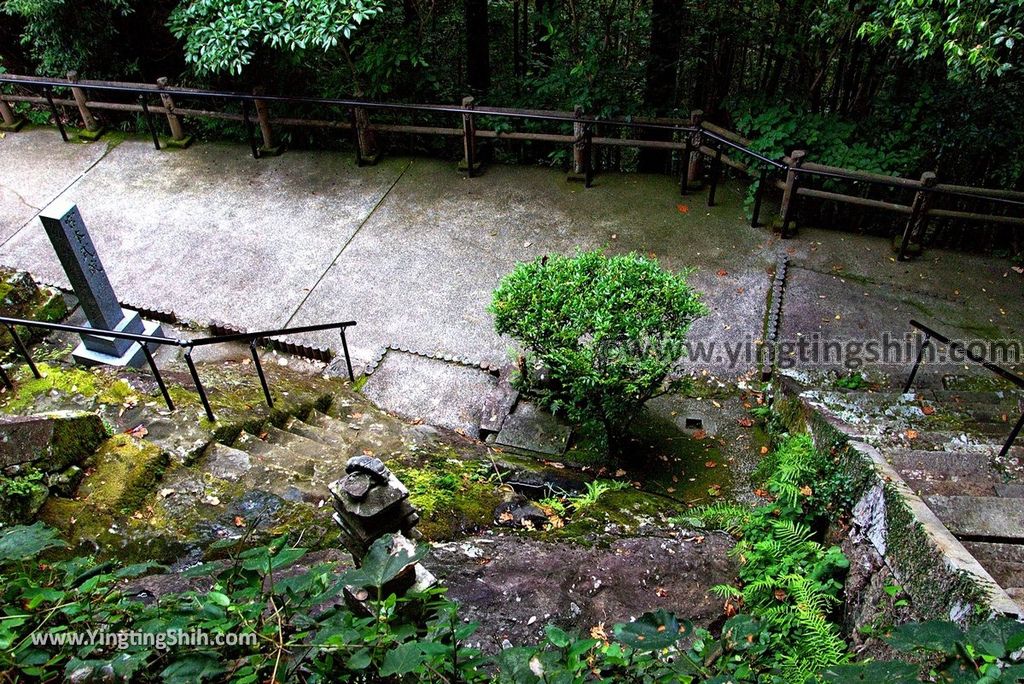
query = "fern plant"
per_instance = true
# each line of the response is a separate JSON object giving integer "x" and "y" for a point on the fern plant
{"x": 787, "y": 579}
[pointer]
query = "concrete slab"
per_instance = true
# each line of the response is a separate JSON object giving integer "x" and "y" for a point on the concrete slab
{"x": 421, "y": 270}
{"x": 533, "y": 430}
{"x": 980, "y": 516}
{"x": 850, "y": 287}
{"x": 439, "y": 393}
{"x": 211, "y": 233}
{"x": 30, "y": 180}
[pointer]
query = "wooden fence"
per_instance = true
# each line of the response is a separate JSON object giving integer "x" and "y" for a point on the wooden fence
{"x": 704, "y": 149}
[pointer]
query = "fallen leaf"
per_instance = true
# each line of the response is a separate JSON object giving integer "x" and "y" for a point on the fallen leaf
{"x": 806, "y": 490}
{"x": 620, "y": 472}
{"x": 780, "y": 595}
{"x": 927, "y": 410}
{"x": 745, "y": 422}
{"x": 764, "y": 450}
{"x": 598, "y": 632}
{"x": 710, "y": 464}
{"x": 138, "y": 432}
{"x": 682, "y": 208}
{"x": 699, "y": 434}
{"x": 911, "y": 434}
{"x": 763, "y": 493}
{"x": 722, "y": 272}
{"x": 239, "y": 521}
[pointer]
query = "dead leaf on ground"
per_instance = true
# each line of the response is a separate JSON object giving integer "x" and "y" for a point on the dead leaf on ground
{"x": 911, "y": 434}
{"x": 699, "y": 434}
{"x": 710, "y": 464}
{"x": 138, "y": 432}
{"x": 927, "y": 410}
{"x": 239, "y": 521}
{"x": 722, "y": 272}
{"x": 745, "y": 422}
{"x": 764, "y": 450}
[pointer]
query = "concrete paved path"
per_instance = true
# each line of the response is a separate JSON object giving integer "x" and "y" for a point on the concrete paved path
{"x": 409, "y": 248}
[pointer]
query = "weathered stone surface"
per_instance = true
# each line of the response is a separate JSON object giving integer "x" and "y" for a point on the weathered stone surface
{"x": 514, "y": 586}
{"x": 434, "y": 391}
{"x": 531, "y": 429}
{"x": 227, "y": 463}
{"x": 497, "y": 404}
{"x": 980, "y": 516}
{"x": 50, "y": 442}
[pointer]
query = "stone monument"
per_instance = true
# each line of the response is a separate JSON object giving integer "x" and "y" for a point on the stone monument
{"x": 77, "y": 254}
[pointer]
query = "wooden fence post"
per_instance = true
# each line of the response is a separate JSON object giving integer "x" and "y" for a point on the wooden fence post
{"x": 178, "y": 137}
{"x": 269, "y": 149}
{"x": 796, "y": 159}
{"x": 11, "y": 121}
{"x": 912, "y": 242}
{"x": 578, "y": 168}
{"x": 695, "y": 165}
{"x": 92, "y": 129}
{"x": 469, "y": 159}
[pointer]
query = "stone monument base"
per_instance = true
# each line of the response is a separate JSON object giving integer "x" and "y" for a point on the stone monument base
{"x": 87, "y": 353}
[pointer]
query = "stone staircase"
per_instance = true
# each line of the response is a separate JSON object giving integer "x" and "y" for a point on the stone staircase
{"x": 944, "y": 443}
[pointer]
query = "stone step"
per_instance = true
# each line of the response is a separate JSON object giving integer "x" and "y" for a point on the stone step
{"x": 296, "y": 442}
{"x": 1010, "y": 491}
{"x": 1005, "y": 562}
{"x": 1009, "y": 399}
{"x": 275, "y": 456}
{"x": 312, "y": 431}
{"x": 980, "y": 517}
{"x": 946, "y": 472}
{"x": 337, "y": 432}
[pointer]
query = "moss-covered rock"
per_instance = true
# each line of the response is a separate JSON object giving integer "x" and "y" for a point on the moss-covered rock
{"x": 122, "y": 474}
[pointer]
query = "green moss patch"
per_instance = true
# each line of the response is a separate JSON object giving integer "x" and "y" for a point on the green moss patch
{"x": 122, "y": 474}
{"x": 449, "y": 493}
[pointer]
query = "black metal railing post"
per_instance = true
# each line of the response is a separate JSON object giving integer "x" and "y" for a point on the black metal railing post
{"x": 348, "y": 359}
{"x": 56, "y": 113}
{"x": 149, "y": 121}
{"x": 199, "y": 385}
{"x": 259, "y": 371}
{"x": 1013, "y": 436}
{"x": 250, "y": 130}
{"x": 588, "y": 155}
{"x": 917, "y": 363}
{"x": 758, "y": 195}
{"x": 156, "y": 374}
{"x": 684, "y": 163}
{"x": 716, "y": 172}
{"x": 5, "y": 378}
{"x": 354, "y": 123}
{"x": 23, "y": 350}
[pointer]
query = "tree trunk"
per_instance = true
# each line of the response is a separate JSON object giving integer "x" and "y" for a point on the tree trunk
{"x": 478, "y": 66}
{"x": 662, "y": 67}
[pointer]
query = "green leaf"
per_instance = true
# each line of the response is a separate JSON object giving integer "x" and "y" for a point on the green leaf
{"x": 380, "y": 567}
{"x": 22, "y": 542}
{"x": 402, "y": 660}
{"x": 998, "y": 637}
{"x": 935, "y": 635}
{"x": 192, "y": 667}
{"x": 653, "y": 631}
{"x": 890, "y": 672}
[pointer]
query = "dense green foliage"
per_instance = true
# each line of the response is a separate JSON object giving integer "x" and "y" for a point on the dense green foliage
{"x": 895, "y": 86}
{"x": 787, "y": 579}
{"x": 223, "y": 35}
{"x": 608, "y": 330}
{"x": 290, "y": 626}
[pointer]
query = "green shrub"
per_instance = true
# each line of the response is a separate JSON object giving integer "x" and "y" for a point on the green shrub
{"x": 609, "y": 330}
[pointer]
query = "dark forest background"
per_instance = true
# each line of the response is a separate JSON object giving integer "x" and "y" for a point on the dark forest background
{"x": 899, "y": 87}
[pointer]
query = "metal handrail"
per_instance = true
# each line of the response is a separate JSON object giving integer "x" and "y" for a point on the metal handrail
{"x": 1004, "y": 373}
{"x": 187, "y": 344}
